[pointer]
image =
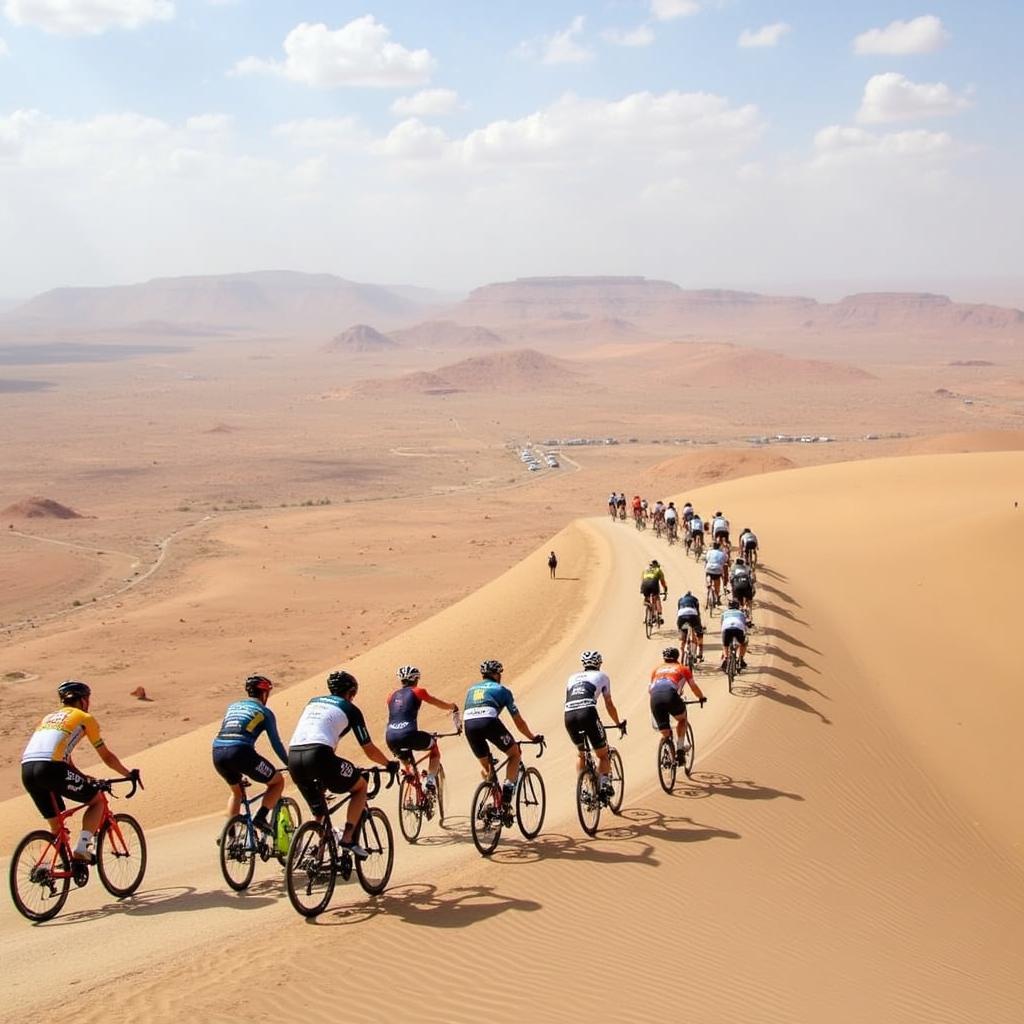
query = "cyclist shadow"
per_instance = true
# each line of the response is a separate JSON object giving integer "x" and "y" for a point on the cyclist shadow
{"x": 649, "y": 823}
{"x": 779, "y": 610}
{"x": 778, "y": 634}
{"x": 774, "y": 574}
{"x": 774, "y": 651}
{"x": 555, "y": 846}
{"x": 424, "y": 904}
{"x": 788, "y": 700}
{"x": 454, "y": 830}
{"x": 701, "y": 785}
{"x": 791, "y": 678}
{"x": 778, "y": 593}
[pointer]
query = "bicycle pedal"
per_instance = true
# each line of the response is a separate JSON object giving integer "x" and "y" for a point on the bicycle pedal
{"x": 345, "y": 865}
{"x": 80, "y": 873}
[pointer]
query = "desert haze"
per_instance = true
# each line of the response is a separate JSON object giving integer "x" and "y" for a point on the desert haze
{"x": 287, "y": 473}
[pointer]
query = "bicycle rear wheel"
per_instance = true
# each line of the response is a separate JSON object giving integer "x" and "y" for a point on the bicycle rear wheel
{"x": 376, "y": 837}
{"x": 731, "y": 664}
{"x": 667, "y": 764}
{"x": 618, "y": 778}
{"x": 484, "y": 819}
{"x": 40, "y": 876}
{"x": 312, "y": 868}
{"x": 648, "y": 621}
{"x": 121, "y": 855}
{"x": 410, "y": 810}
{"x": 442, "y": 782}
{"x": 530, "y": 803}
{"x": 588, "y": 800}
{"x": 287, "y": 819}
{"x": 691, "y": 750}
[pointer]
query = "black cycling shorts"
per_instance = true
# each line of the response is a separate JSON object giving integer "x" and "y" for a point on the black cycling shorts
{"x": 411, "y": 739}
{"x": 693, "y": 621}
{"x": 234, "y": 762}
{"x": 481, "y": 730}
{"x": 665, "y": 701}
{"x": 743, "y": 590}
{"x": 749, "y": 545}
{"x": 585, "y": 724}
{"x": 733, "y": 633}
{"x": 650, "y": 588}
{"x": 48, "y": 782}
{"x": 315, "y": 768}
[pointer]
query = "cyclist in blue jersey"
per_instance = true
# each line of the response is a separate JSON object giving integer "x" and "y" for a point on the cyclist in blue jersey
{"x": 234, "y": 748}
{"x": 485, "y": 702}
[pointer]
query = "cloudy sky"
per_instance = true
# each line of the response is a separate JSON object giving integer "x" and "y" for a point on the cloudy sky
{"x": 741, "y": 143}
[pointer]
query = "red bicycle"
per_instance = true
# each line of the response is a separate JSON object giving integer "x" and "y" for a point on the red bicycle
{"x": 415, "y": 800}
{"x": 42, "y": 868}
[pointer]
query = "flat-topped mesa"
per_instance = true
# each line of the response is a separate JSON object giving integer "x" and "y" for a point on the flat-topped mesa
{"x": 923, "y": 310}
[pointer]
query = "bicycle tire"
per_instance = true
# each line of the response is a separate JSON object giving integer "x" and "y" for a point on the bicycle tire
{"x": 376, "y": 837}
{"x": 410, "y": 811}
{"x": 731, "y": 664}
{"x": 648, "y": 620}
{"x": 237, "y": 853}
{"x": 530, "y": 795}
{"x": 485, "y": 823}
{"x": 667, "y": 764}
{"x": 287, "y": 819}
{"x": 691, "y": 751}
{"x": 36, "y": 893}
{"x": 121, "y": 855}
{"x": 441, "y": 782}
{"x": 588, "y": 801}
{"x": 618, "y": 777}
{"x": 311, "y": 872}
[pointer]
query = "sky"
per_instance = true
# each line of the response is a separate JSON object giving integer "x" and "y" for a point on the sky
{"x": 805, "y": 146}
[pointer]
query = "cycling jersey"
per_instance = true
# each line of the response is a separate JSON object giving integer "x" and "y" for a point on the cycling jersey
{"x": 688, "y": 603}
{"x": 404, "y": 708}
{"x": 636, "y": 505}
{"x": 487, "y": 699}
{"x": 671, "y": 675}
{"x": 696, "y": 526}
{"x": 670, "y": 515}
{"x": 583, "y": 689}
{"x": 325, "y": 719}
{"x": 58, "y": 734}
{"x": 733, "y": 618}
{"x": 687, "y": 514}
{"x": 748, "y": 540}
{"x": 719, "y": 525}
{"x": 654, "y": 574}
{"x": 243, "y": 722}
{"x": 740, "y": 577}
{"x": 714, "y": 562}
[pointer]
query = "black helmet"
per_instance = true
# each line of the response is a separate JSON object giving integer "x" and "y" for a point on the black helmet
{"x": 740, "y": 562}
{"x": 670, "y": 654}
{"x": 655, "y": 564}
{"x": 258, "y": 686}
{"x": 340, "y": 683}
{"x": 491, "y": 667}
{"x": 408, "y": 674}
{"x": 591, "y": 659}
{"x": 72, "y": 689}
{"x": 733, "y": 603}
{"x": 688, "y": 594}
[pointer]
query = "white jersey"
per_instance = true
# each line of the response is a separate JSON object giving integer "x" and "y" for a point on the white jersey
{"x": 733, "y": 618}
{"x": 696, "y": 524}
{"x": 326, "y": 719}
{"x": 714, "y": 561}
{"x": 719, "y": 525}
{"x": 583, "y": 689}
{"x": 670, "y": 515}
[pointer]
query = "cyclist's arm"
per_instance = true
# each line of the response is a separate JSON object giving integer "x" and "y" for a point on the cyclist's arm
{"x": 523, "y": 727}
{"x": 110, "y": 759}
{"x": 374, "y": 753}
{"x": 692, "y": 683}
{"x": 447, "y": 705}
{"x": 275, "y": 739}
{"x": 610, "y": 708}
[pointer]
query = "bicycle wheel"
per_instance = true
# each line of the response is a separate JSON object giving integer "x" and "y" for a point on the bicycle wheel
{"x": 376, "y": 837}
{"x": 484, "y": 819}
{"x": 441, "y": 783}
{"x": 709, "y": 601}
{"x": 667, "y": 764}
{"x": 648, "y": 621}
{"x": 588, "y": 800}
{"x": 690, "y": 751}
{"x": 731, "y": 665}
{"x": 618, "y": 778}
{"x": 237, "y": 853}
{"x": 287, "y": 819}
{"x": 530, "y": 805}
{"x": 40, "y": 876}
{"x": 410, "y": 810}
{"x": 121, "y": 855}
{"x": 312, "y": 868}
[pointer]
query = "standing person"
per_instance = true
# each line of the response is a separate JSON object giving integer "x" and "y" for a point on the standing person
{"x": 234, "y": 749}
{"x": 552, "y": 563}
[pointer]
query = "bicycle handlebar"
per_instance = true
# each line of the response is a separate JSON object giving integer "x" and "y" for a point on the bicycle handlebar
{"x": 374, "y": 787}
{"x": 621, "y": 726}
{"x": 540, "y": 743}
{"x": 135, "y": 778}
{"x": 445, "y": 735}
{"x": 695, "y": 701}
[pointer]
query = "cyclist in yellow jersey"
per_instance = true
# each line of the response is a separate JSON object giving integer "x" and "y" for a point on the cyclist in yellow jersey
{"x": 49, "y": 775}
{"x": 653, "y": 578}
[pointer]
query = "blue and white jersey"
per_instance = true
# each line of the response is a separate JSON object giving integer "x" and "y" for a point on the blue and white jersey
{"x": 487, "y": 699}
{"x": 696, "y": 524}
{"x": 719, "y": 525}
{"x": 583, "y": 689}
{"x": 714, "y": 561}
{"x": 326, "y": 719}
{"x": 243, "y": 722}
{"x": 733, "y": 618}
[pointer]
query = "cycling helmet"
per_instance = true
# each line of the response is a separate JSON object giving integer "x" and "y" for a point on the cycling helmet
{"x": 655, "y": 564}
{"x": 409, "y": 674}
{"x": 718, "y": 513}
{"x": 670, "y": 654}
{"x": 688, "y": 594}
{"x": 591, "y": 659}
{"x": 740, "y": 561}
{"x": 733, "y": 603}
{"x": 671, "y": 504}
{"x": 72, "y": 689}
{"x": 340, "y": 683}
{"x": 746, "y": 529}
{"x": 258, "y": 686}
{"x": 491, "y": 667}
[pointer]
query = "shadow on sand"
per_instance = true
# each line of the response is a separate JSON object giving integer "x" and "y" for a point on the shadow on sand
{"x": 702, "y": 785}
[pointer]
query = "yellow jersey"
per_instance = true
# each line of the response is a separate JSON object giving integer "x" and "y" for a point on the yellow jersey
{"x": 58, "y": 734}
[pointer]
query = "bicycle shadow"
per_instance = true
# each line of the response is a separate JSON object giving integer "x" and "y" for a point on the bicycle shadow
{"x": 649, "y": 823}
{"x": 423, "y": 904}
{"x": 702, "y": 785}
{"x": 792, "y": 679}
{"x": 455, "y": 830}
{"x": 773, "y": 573}
{"x": 778, "y": 593}
{"x": 772, "y": 650}
{"x": 789, "y": 700}
{"x": 769, "y": 606}
{"x": 556, "y": 846}
{"x": 772, "y": 631}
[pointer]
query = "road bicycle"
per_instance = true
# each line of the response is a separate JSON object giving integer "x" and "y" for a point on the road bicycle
{"x": 315, "y": 861}
{"x": 488, "y": 814}
{"x": 416, "y": 800}
{"x": 697, "y": 545}
{"x": 668, "y": 764}
{"x": 732, "y": 661}
{"x": 43, "y": 867}
{"x": 689, "y": 645}
{"x": 672, "y": 527}
{"x": 640, "y": 519}
{"x": 242, "y": 840}
{"x": 711, "y": 599}
{"x": 658, "y": 526}
{"x": 589, "y": 798}
{"x": 651, "y": 617}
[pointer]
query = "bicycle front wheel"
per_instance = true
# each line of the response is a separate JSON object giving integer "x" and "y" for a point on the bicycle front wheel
{"x": 442, "y": 782}
{"x": 588, "y": 801}
{"x": 667, "y": 764}
{"x": 530, "y": 803}
{"x": 731, "y": 666}
{"x": 410, "y": 811}
{"x": 618, "y": 778}
{"x": 312, "y": 868}
{"x": 40, "y": 876}
{"x": 287, "y": 819}
{"x": 648, "y": 621}
{"x": 121, "y": 855}
{"x": 376, "y": 837}
{"x": 691, "y": 750}
{"x": 485, "y": 819}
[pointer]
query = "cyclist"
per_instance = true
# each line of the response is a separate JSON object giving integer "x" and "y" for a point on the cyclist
{"x": 644, "y": 511}
{"x": 688, "y": 617}
{"x": 671, "y": 519}
{"x": 658, "y": 515}
{"x": 696, "y": 531}
{"x": 637, "y": 506}
{"x": 668, "y": 682}
{"x": 234, "y": 749}
{"x": 485, "y": 702}
{"x": 748, "y": 545}
{"x": 741, "y": 581}
{"x": 687, "y": 515}
{"x": 734, "y": 627}
{"x": 403, "y": 732}
{"x": 48, "y": 773}
{"x": 620, "y": 504}
{"x": 720, "y": 529}
{"x": 612, "y": 498}
{"x": 582, "y": 720}
{"x": 313, "y": 763}
{"x": 714, "y": 568}
{"x": 651, "y": 581}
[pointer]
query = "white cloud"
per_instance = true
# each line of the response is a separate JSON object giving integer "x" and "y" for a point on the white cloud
{"x": 839, "y": 145}
{"x": 412, "y": 140}
{"x": 558, "y": 48}
{"x": 211, "y": 124}
{"x": 360, "y": 53}
{"x": 919, "y": 35}
{"x": 325, "y": 133}
{"x": 427, "y": 103}
{"x": 642, "y": 35}
{"x": 4, "y": 50}
{"x": 768, "y": 35}
{"x": 669, "y": 10}
{"x": 87, "y": 17}
{"x": 893, "y": 97}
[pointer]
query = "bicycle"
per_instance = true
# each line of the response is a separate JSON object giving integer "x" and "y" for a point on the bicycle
{"x": 689, "y": 647}
{"x": 697, "y": 546}
{"x": 488, "y": 815}
{"x": 667, "y": 763}
{"x": 589, "y": 798}
{"x": 732, "y": 662}
{"x": 314, "y": 862}
{"x": 658, "y": 526}
{"x": 613, "y": 513}
{"x": 650, "y": 617}
{"x": 242, "y": 840}
{"x": 415, "y": 800}
{"x": 639, "y": 521}
{"x": 673, "y": 531}
{"x": 711, "y": 600}
{"x": 43, "y": 867}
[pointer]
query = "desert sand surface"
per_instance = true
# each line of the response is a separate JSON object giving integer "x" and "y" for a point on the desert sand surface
{"x": 848, "y": 848}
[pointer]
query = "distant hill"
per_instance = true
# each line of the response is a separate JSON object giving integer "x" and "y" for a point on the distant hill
{"x": 920, "y": 310}
{"x": 448, "y": 334}
{"x": 727, "y": 365}
{"x": 360, "y": 338}
{"x": 39, "y": 508}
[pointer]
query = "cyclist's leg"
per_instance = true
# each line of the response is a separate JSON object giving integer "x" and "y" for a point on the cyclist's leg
{"x": 576, "y": 736}
{"x": 356, "y": 806}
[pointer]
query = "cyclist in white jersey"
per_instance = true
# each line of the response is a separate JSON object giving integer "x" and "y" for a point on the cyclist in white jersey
{"x": 734, "y": 627}
{"x": 582, "y": 719}
{"x": 715, "y": 562}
